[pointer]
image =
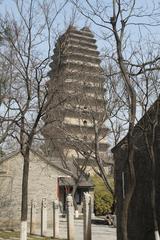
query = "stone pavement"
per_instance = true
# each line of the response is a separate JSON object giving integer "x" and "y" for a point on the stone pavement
{"x": 99, "y": 231}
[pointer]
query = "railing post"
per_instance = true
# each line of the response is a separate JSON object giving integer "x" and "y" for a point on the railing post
{"x": 44, "y": 217}
{"x": 87, "y": 209}
{"x": 70, "y": 218}
{"x": 33, "y": 218}
{"x": 56, "y": 219}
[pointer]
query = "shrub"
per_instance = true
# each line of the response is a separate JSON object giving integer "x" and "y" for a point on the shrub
{"x": 103, "y": 199}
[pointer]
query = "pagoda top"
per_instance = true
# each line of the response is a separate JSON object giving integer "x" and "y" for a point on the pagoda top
{"x": 83, "y": 31}
{"x": 87, "y": 29}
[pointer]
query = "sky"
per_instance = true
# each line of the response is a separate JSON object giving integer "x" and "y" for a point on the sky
{"x": 66, "y": 15}
{"x": 146, "y": 34}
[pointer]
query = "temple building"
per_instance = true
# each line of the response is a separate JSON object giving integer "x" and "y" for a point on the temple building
{"x": 76, "y": 108}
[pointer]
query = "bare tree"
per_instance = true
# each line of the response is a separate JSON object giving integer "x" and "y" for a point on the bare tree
{"x": 115, "y": 18}
{"x": 25, "y": 36}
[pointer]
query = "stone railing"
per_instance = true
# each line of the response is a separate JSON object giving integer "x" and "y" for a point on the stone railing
{"x": 87, "y": 211}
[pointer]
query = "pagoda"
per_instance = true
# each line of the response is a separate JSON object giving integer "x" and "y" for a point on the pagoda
{"x": 76, "y": 100}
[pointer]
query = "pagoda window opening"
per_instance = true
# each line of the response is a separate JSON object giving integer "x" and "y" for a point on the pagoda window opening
{"x": 85, "y": 123}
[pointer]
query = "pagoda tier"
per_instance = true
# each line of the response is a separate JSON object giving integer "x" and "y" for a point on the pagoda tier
{"x": 74, "y": 74}
{"x": 76, "y": 97}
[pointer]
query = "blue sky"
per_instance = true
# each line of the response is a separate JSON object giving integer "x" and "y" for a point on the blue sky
{"x": 64, "y": 18}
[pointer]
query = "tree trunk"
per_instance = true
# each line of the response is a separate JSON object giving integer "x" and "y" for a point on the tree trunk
{"x": 24, "y": 203}
{"x": 131, "y": 186}
{"x": 132, "y": 116}
{"x": 73, "y": 196}
{"x": 100, "y": 163}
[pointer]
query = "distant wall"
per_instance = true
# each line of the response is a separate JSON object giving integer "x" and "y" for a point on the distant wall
{"x": 42, "y": 184}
